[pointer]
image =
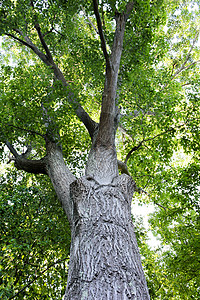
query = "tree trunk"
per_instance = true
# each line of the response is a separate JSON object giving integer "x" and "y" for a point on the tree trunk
{"x": 104, "y": 259}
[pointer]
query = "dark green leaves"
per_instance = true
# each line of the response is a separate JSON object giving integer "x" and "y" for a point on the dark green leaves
{"x": 35, "y": 239}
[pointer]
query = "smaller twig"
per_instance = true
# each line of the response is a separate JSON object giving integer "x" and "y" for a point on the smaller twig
{"x": 187, "y": 57}
{"x": 183, "y": 66}
{"x": 161, "y": 206}
{"x": 195, "y": 62}
{"x": 185, "y": 84}
{"x": 36, "y": 277}
{"x": 90, "y": 21}
{"x": 133, "y": 150}
{"x": 102, "y": 13}
{"x": 27, "y": 152}
{"x": 140, "y": 191}
{"x": 126, "y": 132}
{"x": 170, "y": 129}
{"x": 143, "y": 141}
{"x": 27, "y": 130}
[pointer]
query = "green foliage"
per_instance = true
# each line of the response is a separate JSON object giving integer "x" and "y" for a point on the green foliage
{"x": 35, "y": 238}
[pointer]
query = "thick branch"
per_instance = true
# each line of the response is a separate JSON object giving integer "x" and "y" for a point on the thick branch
{"x": 32, "y": 46}
{"x": 61, "y": 177}
{"x": 44, "y": 45}
{"x": 80, "y": 112}
{"x": 108, "y": 109}
{"x": 100, "y": 29}
{"x": 27, "y": 165}
{"x": 31, "y": 166}
{"x": 129, "y": 8}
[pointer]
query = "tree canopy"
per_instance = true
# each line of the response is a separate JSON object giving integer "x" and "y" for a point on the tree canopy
{"x": 53, "y": 66}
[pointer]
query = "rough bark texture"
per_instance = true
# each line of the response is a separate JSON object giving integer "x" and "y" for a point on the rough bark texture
{"x": 60, "y": 176}
{"x": 104, "y": 260}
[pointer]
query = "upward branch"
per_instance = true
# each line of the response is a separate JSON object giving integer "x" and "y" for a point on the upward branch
{"x": 101, "y": 34}
{"x": 109, "y": 110}
{"x": 41, "y": 37}
{"x": 48, "y": 60}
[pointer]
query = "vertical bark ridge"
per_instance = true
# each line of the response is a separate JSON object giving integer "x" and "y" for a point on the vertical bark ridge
{"x": 105, "y": 261}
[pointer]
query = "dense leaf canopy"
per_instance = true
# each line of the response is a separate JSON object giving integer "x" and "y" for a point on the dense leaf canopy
{"x": 158, "y": 134}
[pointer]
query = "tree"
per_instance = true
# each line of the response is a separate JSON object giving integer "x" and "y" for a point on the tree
{"x": 70, "y": 69}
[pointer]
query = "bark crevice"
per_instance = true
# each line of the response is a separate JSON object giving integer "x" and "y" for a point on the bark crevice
{"x": 105, "y": 261}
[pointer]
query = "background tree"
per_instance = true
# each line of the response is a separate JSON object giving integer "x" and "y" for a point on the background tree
{"x": 64, "y": 61}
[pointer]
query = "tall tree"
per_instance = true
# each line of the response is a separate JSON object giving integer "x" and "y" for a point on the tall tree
{"x": 101, "y": 66}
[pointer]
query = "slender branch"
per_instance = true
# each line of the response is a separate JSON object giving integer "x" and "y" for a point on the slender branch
{"x": 27, "y": 130}
{"x": 90, "y": 21}
{"x": 19, "y": 40}
{"x": 41, "y": 37}
{"x": 100, "y": 29}
{"x": 187, "y": 57}
{"x": 48, "y": 60}
{"x": 160, "y": 205}
{"x": 36, "y": 277}
{"x": 79, "y": 110}
{"x": 31, "y": 45}
{"x": 133, "y": 150}
{"x": 140, "y": 191}
{"x": 170, "y": 129}
{"x": 143, "y": 141}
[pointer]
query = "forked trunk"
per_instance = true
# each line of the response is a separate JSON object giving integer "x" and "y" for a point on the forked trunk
{"x": 104, "y": 259}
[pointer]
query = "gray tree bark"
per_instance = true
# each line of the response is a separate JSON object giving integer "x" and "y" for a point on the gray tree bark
{"x": 104, "y": 259}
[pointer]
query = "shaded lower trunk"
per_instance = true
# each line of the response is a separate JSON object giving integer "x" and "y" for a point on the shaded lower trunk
{"x": 104, "y": 260}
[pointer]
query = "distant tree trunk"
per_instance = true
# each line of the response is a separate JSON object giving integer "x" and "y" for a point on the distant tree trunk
{"x": 104, "y": 259}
